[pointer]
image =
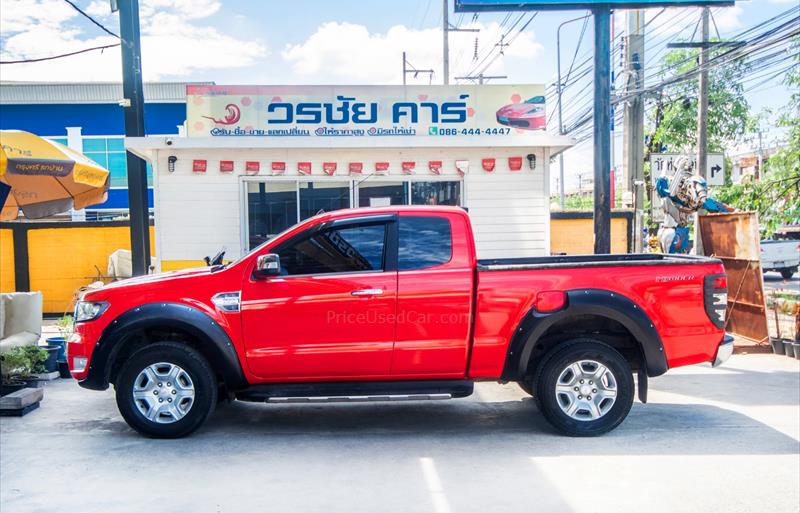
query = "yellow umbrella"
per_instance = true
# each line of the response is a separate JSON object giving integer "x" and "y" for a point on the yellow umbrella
{"x": 46, "y": 177}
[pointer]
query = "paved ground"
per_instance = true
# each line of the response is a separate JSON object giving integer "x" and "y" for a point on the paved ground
{"x": 711, "y": 440}
{"x": 773, "y": 281}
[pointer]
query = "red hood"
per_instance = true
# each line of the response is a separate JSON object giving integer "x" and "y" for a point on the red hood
{"x": 150, "y": 280}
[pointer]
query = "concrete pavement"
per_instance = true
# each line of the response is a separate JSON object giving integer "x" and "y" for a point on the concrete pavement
{"x": 710, "y": 440}
{"x": 774, "y": 281}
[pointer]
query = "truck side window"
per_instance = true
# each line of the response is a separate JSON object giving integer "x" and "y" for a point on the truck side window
{"x": 342, "y": 250}
{"x": 424, "y": 242}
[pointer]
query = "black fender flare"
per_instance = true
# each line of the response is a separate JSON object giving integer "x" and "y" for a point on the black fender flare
{"x": 212, "y": 339}
{"x": 597, "y": 302}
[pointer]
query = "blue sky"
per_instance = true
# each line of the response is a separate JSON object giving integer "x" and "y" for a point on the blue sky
{"x": 314, "y": 41}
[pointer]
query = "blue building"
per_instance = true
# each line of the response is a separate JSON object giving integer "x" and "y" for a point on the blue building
{"x": 88, "y": 118}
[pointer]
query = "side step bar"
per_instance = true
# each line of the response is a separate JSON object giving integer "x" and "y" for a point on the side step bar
{"x": 357, "y": 391}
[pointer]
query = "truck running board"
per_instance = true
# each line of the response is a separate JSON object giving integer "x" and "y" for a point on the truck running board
{"x": 357, "y": 391}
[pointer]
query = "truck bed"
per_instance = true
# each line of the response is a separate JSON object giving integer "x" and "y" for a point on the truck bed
{"x": 566, "y": 261}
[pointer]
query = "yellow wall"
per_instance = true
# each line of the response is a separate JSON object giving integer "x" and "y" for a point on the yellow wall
{"x": 6, "y": 261}
{"x": 576, "y": 236}
{"x": 174, "y": 265}
{"x": 61, "y": 260}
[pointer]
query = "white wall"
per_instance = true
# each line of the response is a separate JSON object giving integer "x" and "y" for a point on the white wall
{"x": 510, "y": 210}
{"x": 197, "y": 214}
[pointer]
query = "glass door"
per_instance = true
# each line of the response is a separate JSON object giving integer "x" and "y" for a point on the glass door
{"x": 319, "y": 197}
{"x": 271, "y": 208}
{"x": 382, "y": 194}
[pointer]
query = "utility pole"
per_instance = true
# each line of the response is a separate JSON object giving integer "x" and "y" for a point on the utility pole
{"x": 408, "y": 68}
{"x": 502, "y": 44}
{"x": 633, "y": 143}
{"x": 446, "y": 29}
{"x": 445, "y": 42}
{"x": 133, "y": 107}
{"x": 702, "y": 108}
{"x": 602, "y": 137}
{"x": 481, "y": 78}
{"x": 702, "y": 101}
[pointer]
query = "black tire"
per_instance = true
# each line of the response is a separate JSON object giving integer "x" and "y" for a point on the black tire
{"x": 563, "y": 355}
{"x": 198, "y": 370}
{"x": 788, "y": 272}
{"x": 526, "y": 386}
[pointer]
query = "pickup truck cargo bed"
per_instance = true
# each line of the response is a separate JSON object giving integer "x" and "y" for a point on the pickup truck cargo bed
{"x": 562, "y": 261}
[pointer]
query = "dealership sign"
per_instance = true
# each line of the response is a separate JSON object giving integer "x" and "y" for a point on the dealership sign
{"x": 365, "y": 111}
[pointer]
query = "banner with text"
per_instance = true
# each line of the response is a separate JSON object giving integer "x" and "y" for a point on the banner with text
{"x": 365, "y": 111}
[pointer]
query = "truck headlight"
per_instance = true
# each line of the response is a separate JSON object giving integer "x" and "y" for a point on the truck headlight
{"x": 89, "y": 310}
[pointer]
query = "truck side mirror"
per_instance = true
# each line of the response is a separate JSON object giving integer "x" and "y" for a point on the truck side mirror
{"x": 268, "y": 265}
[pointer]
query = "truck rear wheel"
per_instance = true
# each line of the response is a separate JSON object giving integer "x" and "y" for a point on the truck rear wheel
{"x": 584, "y": 387}
{"x": 788, "y": 272}
{"x": 166, "y": 390}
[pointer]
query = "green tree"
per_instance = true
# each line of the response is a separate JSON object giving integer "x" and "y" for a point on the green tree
{"x": 776, "y": 195}
{"x": 673, "y": 123}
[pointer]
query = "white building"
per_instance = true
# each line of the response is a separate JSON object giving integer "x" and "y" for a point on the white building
{"x": 255, "y": 160}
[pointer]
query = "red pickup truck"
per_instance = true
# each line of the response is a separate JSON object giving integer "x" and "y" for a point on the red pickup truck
{"x": 389, "y": 304}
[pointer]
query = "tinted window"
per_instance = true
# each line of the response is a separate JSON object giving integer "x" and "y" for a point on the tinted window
{"x": 424, "y": 242}
{"x": 382, "y": 194}
{"x": 436, "y": 193}
{"x": 271, "y": 208}
{"x": 351, "y": 249}
{"x": 318, "y": 197}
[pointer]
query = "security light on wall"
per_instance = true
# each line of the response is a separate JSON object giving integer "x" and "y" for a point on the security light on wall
{"x": 171, "y": 163}
{"x": 531, "y": 160}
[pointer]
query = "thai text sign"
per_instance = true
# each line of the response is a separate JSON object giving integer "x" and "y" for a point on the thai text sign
{"x": 664, "y": 163}
{"x": 365, "y": 111}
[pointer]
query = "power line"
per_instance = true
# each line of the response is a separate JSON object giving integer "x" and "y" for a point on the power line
{"x": 487, "y": 53}
{"x": 756, "y": 46}
{"x": 511, "y": 41}
{"x": 52, "y": 57}
{"x": 88, "y": 17}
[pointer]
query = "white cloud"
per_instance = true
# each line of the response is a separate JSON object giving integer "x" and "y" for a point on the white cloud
{"x": 191, "y": 9}
{"x": 99, "y": 8}
{"x": 347, "y": 52}
{"x": 175, "y": 42}
{"x": 19, "y": 15}
{"x": 727, "y": 19}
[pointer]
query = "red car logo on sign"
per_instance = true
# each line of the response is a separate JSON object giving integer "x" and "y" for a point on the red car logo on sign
{"x": 233, "y": 114}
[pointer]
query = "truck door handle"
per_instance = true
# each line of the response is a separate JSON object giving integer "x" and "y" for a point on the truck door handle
{"x": 367, "y": 292}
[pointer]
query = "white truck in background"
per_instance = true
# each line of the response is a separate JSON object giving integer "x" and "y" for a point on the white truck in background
{"x": 782, "y": 255}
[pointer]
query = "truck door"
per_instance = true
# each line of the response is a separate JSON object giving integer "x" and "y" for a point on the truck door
{"x": 434, "y": 302}
{"x": 331, "y": 312}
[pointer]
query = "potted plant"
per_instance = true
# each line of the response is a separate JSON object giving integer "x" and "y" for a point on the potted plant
{"x": 37, "y": 356}
{"x": 50, "y": 363}
{"x": 65, "y": 328}
{"x": 17, "y": 365}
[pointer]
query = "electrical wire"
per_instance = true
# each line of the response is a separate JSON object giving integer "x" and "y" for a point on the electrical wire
{"x": 88, "y": 17}
{"x": 508, "y": 43}
{"x": 581, "y": 116}
{"x": 52, "y": 57}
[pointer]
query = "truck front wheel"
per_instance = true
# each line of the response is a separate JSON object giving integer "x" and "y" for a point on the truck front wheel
{"x": 584, "y": 387}
{"x": 166, "y": 390}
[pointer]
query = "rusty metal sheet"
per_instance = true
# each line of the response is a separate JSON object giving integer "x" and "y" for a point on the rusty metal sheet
{"x": 734, "y": 239}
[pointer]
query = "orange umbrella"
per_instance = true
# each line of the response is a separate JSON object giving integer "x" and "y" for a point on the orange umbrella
{"x": 46, "y": 177}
